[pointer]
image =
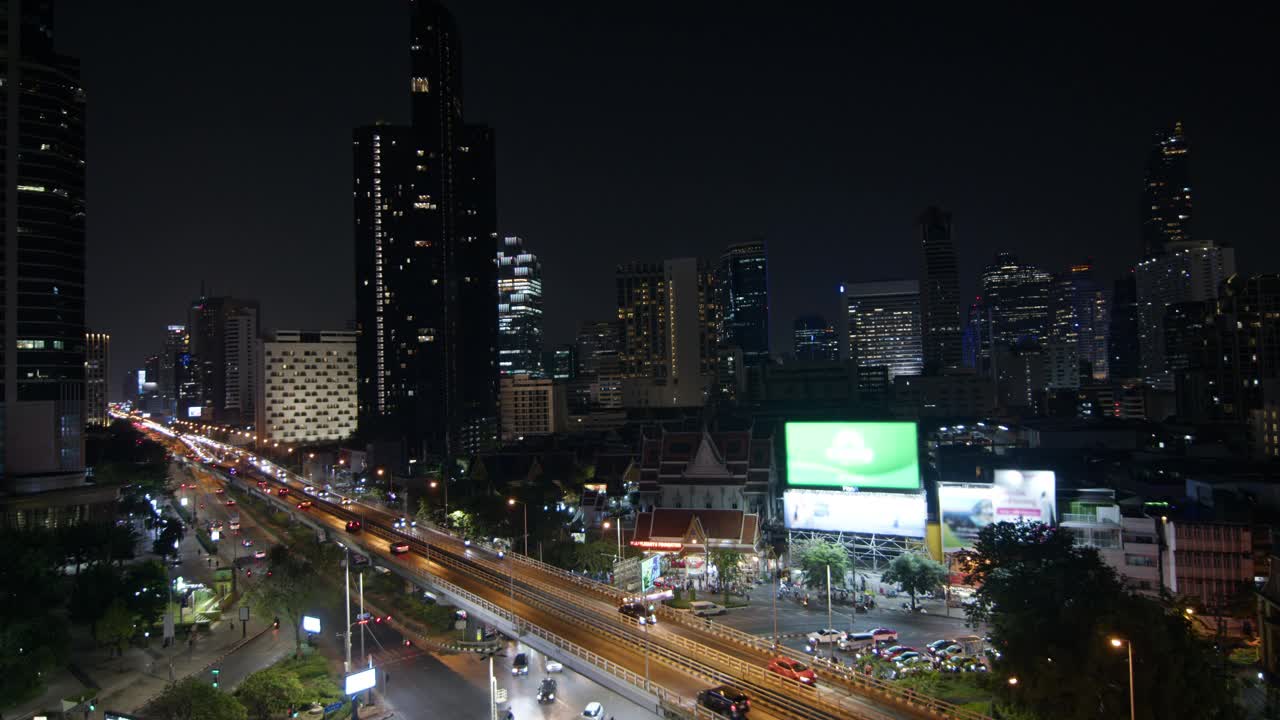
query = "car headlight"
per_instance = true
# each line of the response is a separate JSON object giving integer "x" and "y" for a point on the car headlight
{"x": 552, "y": 696}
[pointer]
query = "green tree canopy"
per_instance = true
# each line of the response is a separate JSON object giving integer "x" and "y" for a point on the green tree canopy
{"x": 813, "y": 557}
{"x": 595, "y": 556}
{"x": 269, "y": 693}
{"x": 290, "y": 590}
{"x": 1053, "y": 607}
{"x": 33, "y": 633}
{"x": 194, "y": 699}
{"x": 115, "y": 627}
{"x": 916, "y": 573}
{"x": 729, "y": 566}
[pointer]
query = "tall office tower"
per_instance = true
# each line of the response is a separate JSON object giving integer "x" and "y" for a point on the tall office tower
{"x": 596, "y": 337}
{"x": 308, "y": 389}
{"x": 742, "y": 285}
{"x": 1078, "y": 317}
{"x": 176, "y": 343}
{"x": 884, "y": 325}
{"x": 1184, "y": 272}
{"x": 1123, "y": 346}
{"x": 1184, "y": 325}
{"x": 223, "y": 333}
{"x": 1017, "y": 296}
{"x": 939, "y": 292}
{"x": 1166, "y": 199}
{"x": 815, "y": 339}
{"x": 975, "y": 341}
{"x": 97, "y": 368}
{"x": 1239, "y": 351}
{"x": 43, "y": 359}
{"x": 425, "y": 236}
{"x": 668, "y": 332}
{"x": 561, "y": 363}
{"x": 519, "y": 310}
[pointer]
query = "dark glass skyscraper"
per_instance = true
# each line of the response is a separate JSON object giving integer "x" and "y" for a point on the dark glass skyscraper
{"x": 816, "y": 339}
{"x": 939, "y": 292}
{"x": 1017, "y": 298}
{"x": 1124, "y": 346}
{"x": 743, "y": 287}
{"x": 1166, "y": 199}
{"x": 425, "y": 236}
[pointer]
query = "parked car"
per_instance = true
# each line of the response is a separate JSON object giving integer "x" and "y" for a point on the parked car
{"x": 520, "y": 666}
{"x": 705, "y": 608}
{"x": 792, "y": 670}
{"x": 909, "y": 658}
{"x": 726, "y": 700}
{"x": 937, "y": 646}
{"x": 547, "y": 691}
{"x": 896, "y": 650}
{"x": 637, "y": 610}
{"x": 826, "y": 636}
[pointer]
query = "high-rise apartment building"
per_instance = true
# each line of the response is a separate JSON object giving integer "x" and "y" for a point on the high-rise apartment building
{"x": 815, "y": 339}
{"x": 42, "y": 464}
{"x": 1166, "y": 206}
{"x": 1238, "y": 353}
{"x": 596, "y": 338}
{"x": 668, "y": 320}
{"x": 97, "y": 369}
{"x": 425, "y": 236}
{"x": 1078, "y": 317}
{"x": 532, "y": 406}
{"x": 1017, "y": 298}
{"x": 519, "y": 309}
{"x": 223, "y": 336}
{"x": 308, "y": 393}
{"x": 884, "y": 325}
{"x": 742, "y": 285}
{"x": 1185, "y": 271}
{"x": 1123, "y": 346}
{"x": 939, "y": 292}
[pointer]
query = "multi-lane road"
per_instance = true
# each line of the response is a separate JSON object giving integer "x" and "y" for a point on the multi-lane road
{"x": 682, "y": 655}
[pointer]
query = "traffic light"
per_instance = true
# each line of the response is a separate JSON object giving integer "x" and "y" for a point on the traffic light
{"x": 215, "y": 672}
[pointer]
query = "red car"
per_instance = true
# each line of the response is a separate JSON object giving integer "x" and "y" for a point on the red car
{"x": 230, "y": 503}
{"x": 282, "y": 491}
{"x": 304, "y": 505}
{"x": 793, "y": 670}
{"x": 353, "y": 526}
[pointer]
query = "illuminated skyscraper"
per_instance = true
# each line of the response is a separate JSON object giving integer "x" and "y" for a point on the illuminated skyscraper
{"x": 884, "y": 325}
{"x": 1166, "y": 211}
{"x": 1017, "y": 298}
{"x": 1184, "y": 272}
{"x": 519, "y": 310}
{"x": 425, "y": 235}
{"x": 742, "y": 283}
{"x": 939, "y": 292}
{"x": 668, "y": 318}
{"x": 97, "y": 368}
{"x": 1078, "y": 317}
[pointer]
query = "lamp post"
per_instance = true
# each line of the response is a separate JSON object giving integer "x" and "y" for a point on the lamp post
{"x": 1128, "y": 644}
{"x": 606, "y": 525}
{"x": 524, "y": 506}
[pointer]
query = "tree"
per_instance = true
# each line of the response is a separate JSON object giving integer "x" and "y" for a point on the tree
{"x": 729, "y": 566}
{"x": 1053, "y": 607}
{"x": 172, "y": 532}
{"x": 916, "y": 574}
{"x": 595, "y": 556}
{"x": 146, "y": 591}
{"x": 289, "y": 589}
{"x": 270, "y": 692}
{"x": 816, "y": 555}
{"x": 194, "y": 699}
{"x": 115, "y": 627}
{"x": 424, "y": 511}
{"x": 33, "y": 633}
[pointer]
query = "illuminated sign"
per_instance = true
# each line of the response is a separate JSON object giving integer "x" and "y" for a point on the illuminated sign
{"x": 858, "y": 455}
{"x": 310, "y": 624}
{"x": 361, "y": 681}
{"x": 901, "y": 514}
{"x": 194, "y": 411}
{"x": 656, "y": 545}
{"x": 1014, "y": 495}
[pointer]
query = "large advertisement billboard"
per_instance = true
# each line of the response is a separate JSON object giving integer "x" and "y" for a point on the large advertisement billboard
{"x": 1013, "y": 495}
{"x": 855, "y": 512}
{"x": 863, "y": 455}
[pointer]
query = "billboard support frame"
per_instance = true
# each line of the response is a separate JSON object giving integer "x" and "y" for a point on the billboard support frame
{"x": 869, "y": 550}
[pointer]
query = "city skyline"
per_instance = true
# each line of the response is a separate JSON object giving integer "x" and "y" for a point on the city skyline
{"x": 847, "y": 190}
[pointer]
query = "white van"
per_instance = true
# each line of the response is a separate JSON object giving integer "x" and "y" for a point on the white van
{"x": 703, "y": 608}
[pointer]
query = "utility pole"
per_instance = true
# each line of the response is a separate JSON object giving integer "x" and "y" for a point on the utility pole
{"x": 362, "y": 618}
{"x": 493, "y": 692}
{"x": 347, "y": 584}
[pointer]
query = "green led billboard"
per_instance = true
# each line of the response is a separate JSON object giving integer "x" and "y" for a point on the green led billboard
{"x": 864, "y": 455}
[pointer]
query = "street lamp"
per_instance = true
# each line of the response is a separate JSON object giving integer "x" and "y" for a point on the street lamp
{"x": 618, "y": 524}
{"x": 1117, "y": 642}
{"x": 524, "y": 506}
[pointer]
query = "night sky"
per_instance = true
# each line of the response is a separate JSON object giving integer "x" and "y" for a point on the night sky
{"x": 219, "y": 141}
